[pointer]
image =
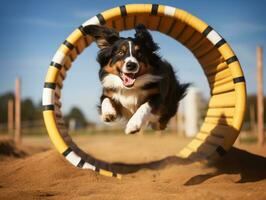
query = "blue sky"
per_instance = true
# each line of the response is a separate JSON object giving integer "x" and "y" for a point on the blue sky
{"x": 32, "y": 30}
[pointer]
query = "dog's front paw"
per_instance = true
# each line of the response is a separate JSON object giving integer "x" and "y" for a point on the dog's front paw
{"x": 133, "y": 126}
{"x": 109, "y": 116}
{"x": 109, "y": 113}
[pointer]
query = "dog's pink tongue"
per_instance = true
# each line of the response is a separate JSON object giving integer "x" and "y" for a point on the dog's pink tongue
{"x": 128, "y": 79}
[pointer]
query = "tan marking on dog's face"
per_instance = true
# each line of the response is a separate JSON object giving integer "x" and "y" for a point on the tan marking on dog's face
{"x": 136, "y": 47}
{"x": 124, "y": 48}
{"x": 114, "y": 68}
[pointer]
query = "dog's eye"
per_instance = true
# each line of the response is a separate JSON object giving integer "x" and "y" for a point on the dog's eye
{"x": 120, "y": 53}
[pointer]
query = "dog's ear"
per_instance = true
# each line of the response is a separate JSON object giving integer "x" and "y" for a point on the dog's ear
{"x": 103, "y": 36}
{"x": 143, "y": 37}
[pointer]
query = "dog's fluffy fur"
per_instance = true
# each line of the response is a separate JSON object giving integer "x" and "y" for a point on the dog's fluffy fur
{"x": 138, "y": 84}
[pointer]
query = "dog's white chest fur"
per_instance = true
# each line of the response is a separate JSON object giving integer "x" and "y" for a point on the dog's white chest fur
{"x": 130, "y": 99}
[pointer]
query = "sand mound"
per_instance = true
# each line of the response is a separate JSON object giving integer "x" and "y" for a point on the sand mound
{"x": 48, "y": 175}
{"x": 8, "y": 148}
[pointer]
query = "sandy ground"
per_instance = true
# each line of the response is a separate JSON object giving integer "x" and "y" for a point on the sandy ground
{"x": 37, "y": 171}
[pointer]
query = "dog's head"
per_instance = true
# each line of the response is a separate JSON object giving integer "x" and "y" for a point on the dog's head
{"x": 123, "y": 59}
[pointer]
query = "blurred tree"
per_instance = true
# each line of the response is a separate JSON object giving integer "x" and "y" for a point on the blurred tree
{"x": 38, "y": 110}
{"x": 252, "y": 104}
{"x": 80, "y": 119}
{"x": 3, "y": 106}
{"x": 29, "y": 111}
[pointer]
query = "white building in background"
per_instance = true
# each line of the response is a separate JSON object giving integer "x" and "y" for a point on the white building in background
{"x": 72, "y": 124}
{"x": 193, "y": 111}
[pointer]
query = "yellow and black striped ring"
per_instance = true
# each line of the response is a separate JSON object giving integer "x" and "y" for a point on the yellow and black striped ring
{"x": 226, "y": 107}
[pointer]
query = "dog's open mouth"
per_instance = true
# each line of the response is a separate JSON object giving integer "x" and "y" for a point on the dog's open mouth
{"x": 128, "y": 79}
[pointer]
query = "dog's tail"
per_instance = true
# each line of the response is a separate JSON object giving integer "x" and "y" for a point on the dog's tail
{"x": 182, "y": 90}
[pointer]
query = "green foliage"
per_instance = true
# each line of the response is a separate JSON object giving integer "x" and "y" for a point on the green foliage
{"x": 76, "y": 114}
{"x": 252, "y": 104}
{"x": 3, "y": 105}
{"x": 29, "y": 111}
{"x": 32, "y": 112}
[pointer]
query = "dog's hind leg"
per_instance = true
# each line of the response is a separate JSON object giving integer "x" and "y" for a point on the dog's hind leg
{"x": 141, "y": 117}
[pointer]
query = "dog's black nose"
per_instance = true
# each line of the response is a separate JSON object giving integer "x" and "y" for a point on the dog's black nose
{"x": 131, "y": 66}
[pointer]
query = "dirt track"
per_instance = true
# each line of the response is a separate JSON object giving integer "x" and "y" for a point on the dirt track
{"x": 46, "y": 175}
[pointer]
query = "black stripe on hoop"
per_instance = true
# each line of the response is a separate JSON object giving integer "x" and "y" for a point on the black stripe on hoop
{"x": 97, "y": 169}
{"x": 67, "y": 151}
{"x": 81, "y": 163}
{"x": 49, "y": 85}
{"x": 231, "y": 60}
{"x": 81, "y": 28}
{"x": 57, "y": 65}
{"x": 68, "y": 44}
{"x": 123, "y": 11}
{"x": 239, "y": 79}
{"x": 48, "y": 107}
{"x": 154, "y": 9}
{"x": 207, "y": 31}
{"x": 220, "y": 43}
{"x": 101, "y": 18}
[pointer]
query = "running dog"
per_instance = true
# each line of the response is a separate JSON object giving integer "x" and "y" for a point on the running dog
{"x": 138, "y": 85}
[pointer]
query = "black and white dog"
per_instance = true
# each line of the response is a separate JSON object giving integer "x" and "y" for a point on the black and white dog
{"x": 138, "y": 84}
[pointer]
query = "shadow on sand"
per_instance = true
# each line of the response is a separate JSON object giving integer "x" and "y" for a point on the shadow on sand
{"x": 251, "y": 167}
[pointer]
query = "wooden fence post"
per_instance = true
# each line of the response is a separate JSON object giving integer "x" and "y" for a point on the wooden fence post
{"x": 17, "y": 112}
{"x": 260, "y": 97}
{"x": 10, "y": 114}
